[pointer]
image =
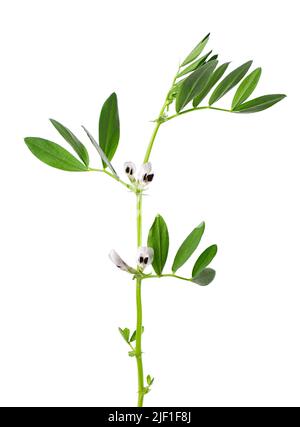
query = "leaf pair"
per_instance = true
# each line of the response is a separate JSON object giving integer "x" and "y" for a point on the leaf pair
{"x": 194, "y": 65}
{"x": 214, "y": 78}
{"x": 259, "y": 104}
{"x": 229, "y": 82}
{"x": 198, "y": 84}
{"x": 109, "y": 132}
{"x": 158, "y": 240}
{"x": 245, "y": 89}
{"x": 56, "y": 156}
{"x": 194, "y": 84}
{"x": 126, "y": 334}
{"x": 200, "y": 274}
{"x": 204, "y": 260}
{"x": 243, "y": 92}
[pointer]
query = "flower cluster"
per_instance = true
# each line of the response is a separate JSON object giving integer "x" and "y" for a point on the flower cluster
{"x": 144, "y": 259}
{"x": 144, "y": 177}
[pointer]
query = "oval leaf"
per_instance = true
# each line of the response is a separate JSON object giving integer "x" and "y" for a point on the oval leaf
{"x": 193, "y": 84}
{"x": 214, "y": 78}
{"x": 158, "y": 240}
{"x": 188, "y": 247}
{"x": 109, "y": 127}
{"x": 194, "y": 65}
{"x": 196, "y": 51}
{"x": 54, "y": 155}
{"x": 77, "y": 146}
{"x": 246, "y": 88}
{"x": 204, "y": 260}
{"x": 259, "y": 104}
{"x": 229, "y": 82}
{"x": 205, "y": 277}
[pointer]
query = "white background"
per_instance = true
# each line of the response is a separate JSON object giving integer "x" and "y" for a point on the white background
{"x": 233, "y": 343}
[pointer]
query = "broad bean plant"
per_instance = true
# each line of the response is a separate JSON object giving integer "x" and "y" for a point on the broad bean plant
{"x": 199, "y": 84}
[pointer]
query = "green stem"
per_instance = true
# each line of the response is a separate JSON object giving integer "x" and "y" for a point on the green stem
{"x": 167, "y": 275}
{"x": 158, "y": 123}
{"x": 116, "y": 178}
{"x": 208, "y": 107}
{"x": 153, "y": 136}
{"x": 139, "y": 218}
{"x": 139, "y": 312}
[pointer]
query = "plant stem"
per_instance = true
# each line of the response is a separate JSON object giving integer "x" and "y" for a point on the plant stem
{"x": 139, "y": 218}
{"x": 139, "y": 312}
{"x": 116, "y": 178}
{"x": 153, "y": 136}
{"x": 167, "y": 275}
{"x": 138, "y": 348}
{"x": 196, "y": 109}
{"x": 157, "y": 126}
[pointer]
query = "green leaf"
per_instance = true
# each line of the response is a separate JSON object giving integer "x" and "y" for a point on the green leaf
{"x": 204, "y": 260}
{"x": 205, "y": 277}
{"x": 125, "y": 334}
{"x": 131, "y": 353}
{"x": 158, "y": 240}
{"x": 109, "y": 127}
{"x": 149, "y": 380}
{"x": 214, "y": 78}
{"x": 100, "y": 151}
{"x": 259, "y": 104}
{"x": 133, "y": 336}
{"x": 194, "y": 65}
{"x": 54, "y": 155}
{"x": 188, "y": 247}
{"x": 196, "y": 51}
{"x": 192, "y": 85}
{"x": 77, "y": 146}
{"x": 229, "y": 82}
{"x": 246, "y": 88}
{"x": 213, "y": 57}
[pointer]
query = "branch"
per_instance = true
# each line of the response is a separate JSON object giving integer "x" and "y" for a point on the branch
{"x": 196, "y": 109}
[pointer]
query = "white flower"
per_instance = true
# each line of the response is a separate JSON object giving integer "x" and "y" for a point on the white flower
{"x": 144, "y": 176}
{"x": 130, "y": 169}
{"x": 144, "y": 257}
{"x": 117, "y": 260}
